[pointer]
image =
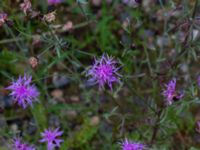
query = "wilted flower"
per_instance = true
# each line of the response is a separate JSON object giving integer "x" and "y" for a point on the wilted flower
{"x": 170, "y": 92}
{"x": 23, "y": 92}
{"x": 104, "y": 71}
{"x": 68, "y": 26}
{"x": 51, "y": 137}
{"x": 26, "y": 6}
{"x": 3, "y": 18}
{"x": 50, "y": 17}
{"x": 130, "y": 145}
{"x": 54, "y": 2}
{"x": 18, "y": 145}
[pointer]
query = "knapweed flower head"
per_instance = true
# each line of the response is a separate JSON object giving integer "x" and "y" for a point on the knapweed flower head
{"x": 170, "y": 92}
{"x": 18, "y": 145}
{"x": 54, "y": 2}
{"x": 50, "y": 136}
{"x": 130, "y": 145}
{"x": 104, "y": 71}
{"x": 23, "y": 92}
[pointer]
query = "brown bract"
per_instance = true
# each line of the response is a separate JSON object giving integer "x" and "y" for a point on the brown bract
{"x": 68, "y": 26}
{"x": 33, "y": 62}
{"x": 50, "y": 17}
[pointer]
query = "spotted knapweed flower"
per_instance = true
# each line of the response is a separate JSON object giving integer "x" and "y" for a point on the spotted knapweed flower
{"x": 18, "y": 145}
{"x": 54, "y": 2}
{"x": 23, "y": 92}
{"x": 170, "y": 92}
{"x": 104, "y": 71}
{"x": 51, "y": 137}
{"x": 130, "y": 145}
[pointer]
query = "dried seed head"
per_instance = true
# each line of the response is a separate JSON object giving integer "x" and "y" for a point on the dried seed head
{"x": 33, "y": 61}
{"x": 68, "y": 26}
{"x": 26, "y": 6}
{"x": 50, "y": 17}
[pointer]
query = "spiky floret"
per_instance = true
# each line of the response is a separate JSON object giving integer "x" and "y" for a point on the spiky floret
{"x": 51, "y": 137}
{"x": 170, "y": 92}
{"x": 18, "y": 145}
{"x": 104, "y": 71}
{"x": 23, "y": 92}
{"x": 130, "y": 145}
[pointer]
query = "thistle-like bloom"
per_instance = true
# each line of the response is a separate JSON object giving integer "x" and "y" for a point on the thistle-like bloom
{"x": 23, "y": 93}
{"x": 130, "y": 145}
{"x": 54, "y": 2}
{"x": 18, "y": 145}
{"x": 104, "y": 71}
{"x": 170, "y": 92}
{"x": 51, "y": 137}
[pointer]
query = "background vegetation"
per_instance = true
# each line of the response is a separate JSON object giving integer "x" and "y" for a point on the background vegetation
{"x": 155, "y": 41}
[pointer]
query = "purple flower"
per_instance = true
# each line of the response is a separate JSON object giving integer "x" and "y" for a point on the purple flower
{"x": 170, "y": 92}
{"x": 129, "y": 145}
{"x": 50, "y": 136}
{"x": 198, "y": 80}
{"x": 23, "y": 93}
{"x": 3, "y": 18}
{"x": 104, "y": 71}
{"x": 18, "y": 145}
{"x": 131, "y": 3}
{"x": 198, "y": 126}
{"x": 54, "y": 2}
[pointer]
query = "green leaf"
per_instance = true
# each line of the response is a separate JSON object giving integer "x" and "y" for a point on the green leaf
{"x": 38, "y": 112}
{"x": 82, "y": 137}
